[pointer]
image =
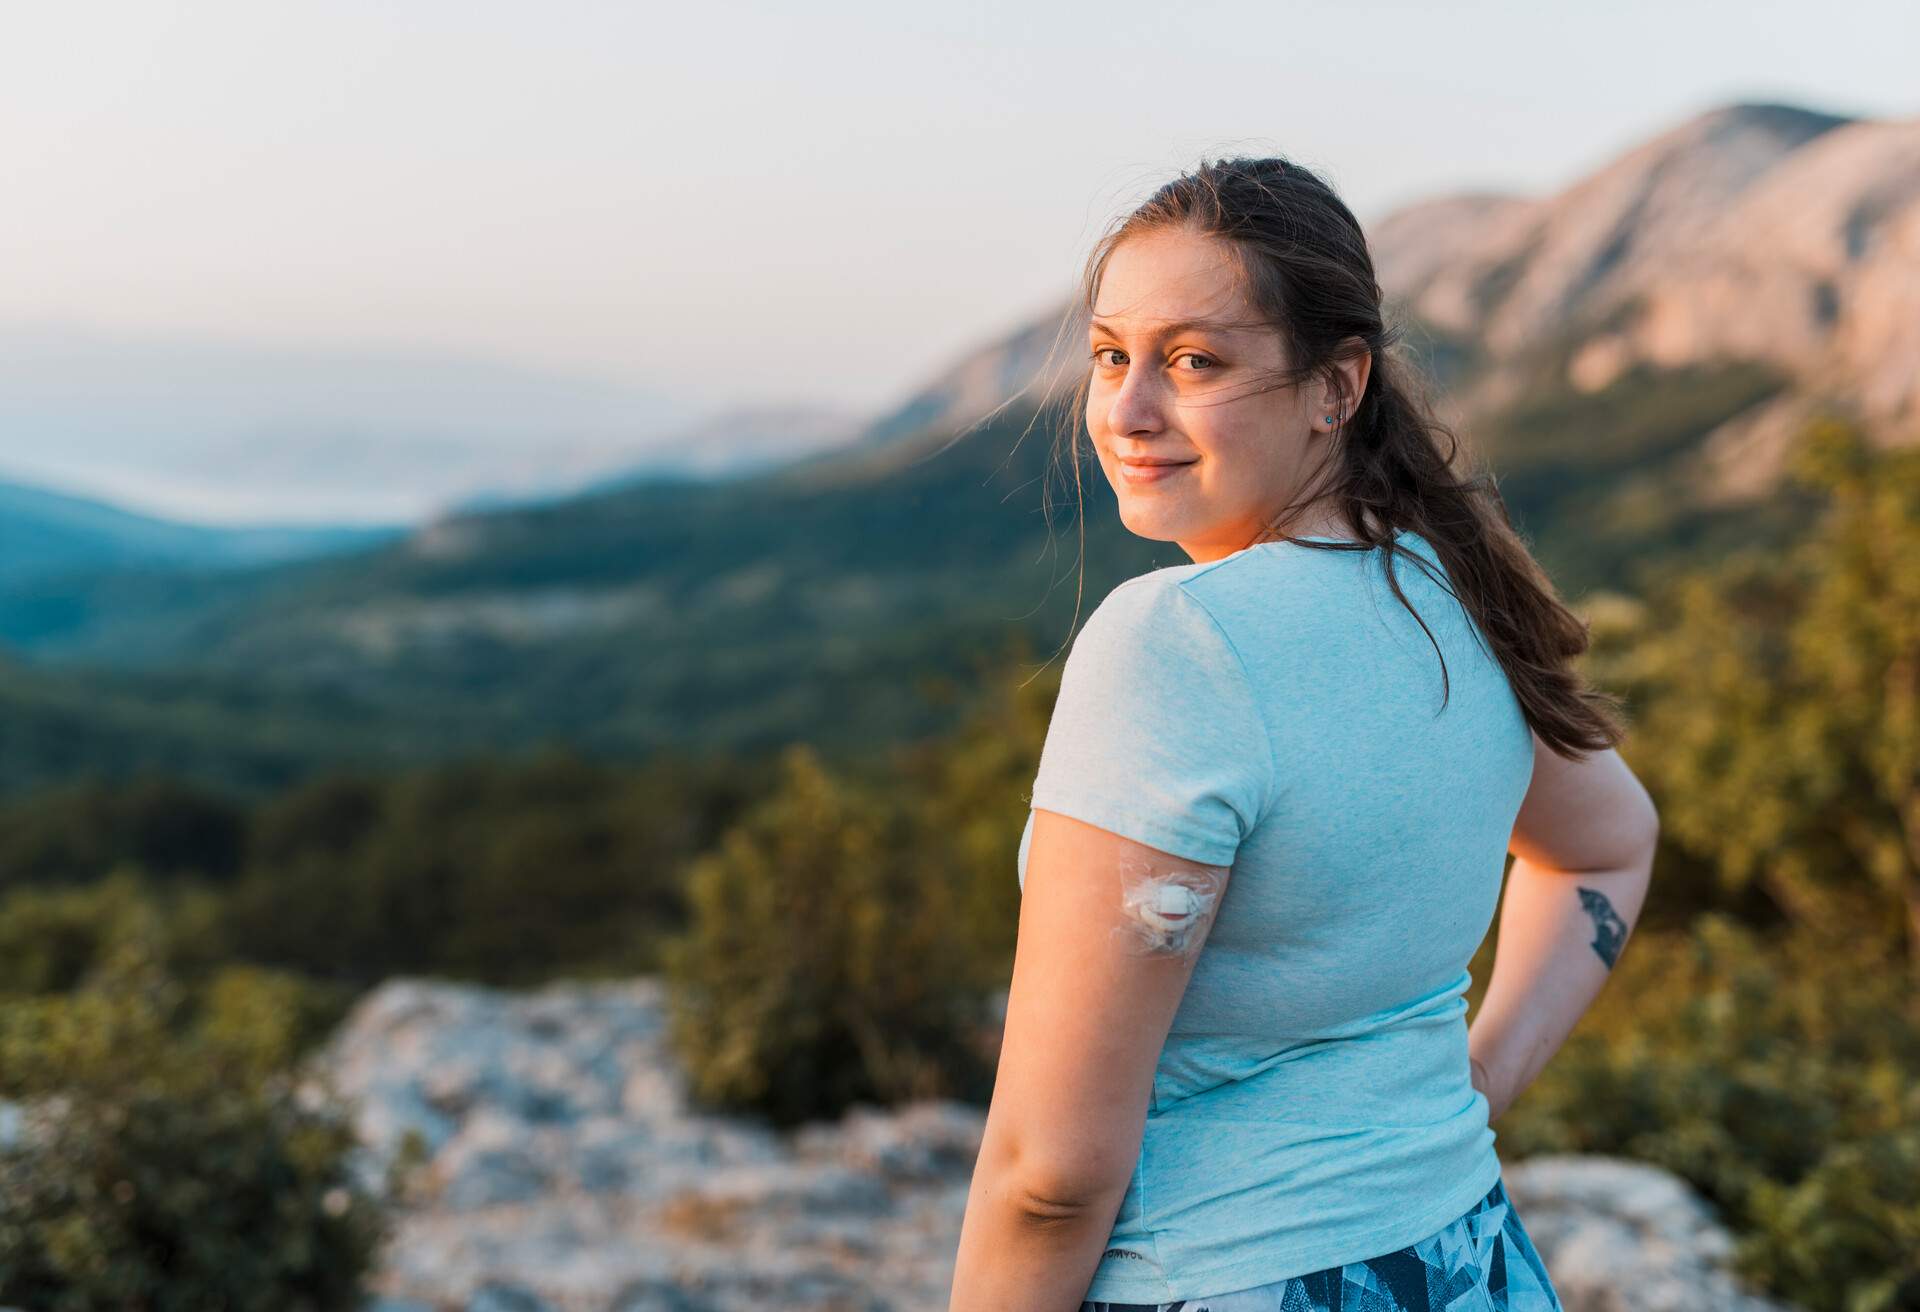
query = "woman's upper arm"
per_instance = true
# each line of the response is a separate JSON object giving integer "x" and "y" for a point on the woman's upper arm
{"x": 1092, "y": 999}
{"x": 1586, "y": 814}
{"x": 1155, "y": 767}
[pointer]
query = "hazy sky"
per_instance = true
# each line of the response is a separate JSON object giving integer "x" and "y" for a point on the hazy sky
{"x": 730, "y": 202}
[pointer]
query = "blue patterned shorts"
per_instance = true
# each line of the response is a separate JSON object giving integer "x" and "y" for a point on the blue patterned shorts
{"x": 1481, "y": 1262}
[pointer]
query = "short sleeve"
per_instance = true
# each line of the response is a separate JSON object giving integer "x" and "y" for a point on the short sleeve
{"x": 1157, "y": 734}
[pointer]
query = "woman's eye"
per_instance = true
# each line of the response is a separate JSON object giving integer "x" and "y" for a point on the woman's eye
{"x": 1207, "y": 361}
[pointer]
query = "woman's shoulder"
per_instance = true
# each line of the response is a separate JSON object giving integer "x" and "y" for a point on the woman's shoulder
{"x": 1156, "y": 609}
{"x": 1250, "y": 596}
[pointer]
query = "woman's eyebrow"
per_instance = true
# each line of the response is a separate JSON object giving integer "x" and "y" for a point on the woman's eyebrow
{"x": 1178, "y": 326}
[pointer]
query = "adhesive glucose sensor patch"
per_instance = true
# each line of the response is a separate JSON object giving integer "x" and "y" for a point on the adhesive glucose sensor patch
{"x": 1168, "y": 914}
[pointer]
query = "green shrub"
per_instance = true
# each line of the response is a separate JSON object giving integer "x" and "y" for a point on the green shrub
{"x": 969, "y": 790}
{"x": 1780, "y": 693}
{"x": 1762, "y": 1036}
{"x": 494, "y": 870}
{"x": 1781, "y": 1077}
{"x": 166, "y": 1164}
{"x": 162, "y": 824}
{"x": 821, "y": 966}
{"x": 51, "y": 939}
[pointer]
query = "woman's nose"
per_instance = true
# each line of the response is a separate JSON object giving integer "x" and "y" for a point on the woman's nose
{"x": 1137, "y": 404}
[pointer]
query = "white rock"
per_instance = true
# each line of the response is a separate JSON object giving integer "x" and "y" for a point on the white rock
{"x": 568, "y": 1169}
{"x": 1620, "y": 1234}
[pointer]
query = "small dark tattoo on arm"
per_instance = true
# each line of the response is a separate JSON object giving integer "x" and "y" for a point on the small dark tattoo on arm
{"x": 1609, "y": 930}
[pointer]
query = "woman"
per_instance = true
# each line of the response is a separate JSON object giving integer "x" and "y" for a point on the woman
{"x": 1272, "y": 811}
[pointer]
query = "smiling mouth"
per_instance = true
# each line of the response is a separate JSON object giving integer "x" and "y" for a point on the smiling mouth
{"x": 1152, "y": 473}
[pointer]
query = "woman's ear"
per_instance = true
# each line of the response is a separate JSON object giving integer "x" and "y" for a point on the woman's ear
{"x": 1356, "y": 369}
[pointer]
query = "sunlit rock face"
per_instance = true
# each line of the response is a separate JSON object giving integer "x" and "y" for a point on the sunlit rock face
{"x": 1753, "y": 232}
{"x": 564, "y": 1169}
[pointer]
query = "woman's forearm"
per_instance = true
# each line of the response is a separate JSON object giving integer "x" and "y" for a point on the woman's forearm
{"x": 1561, "y": 935}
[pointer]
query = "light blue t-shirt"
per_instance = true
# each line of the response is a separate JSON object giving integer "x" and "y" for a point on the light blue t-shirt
{"x": 1278, "y": 710}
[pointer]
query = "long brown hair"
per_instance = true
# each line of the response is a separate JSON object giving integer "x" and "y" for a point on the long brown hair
{"x": 1306, "y": 268}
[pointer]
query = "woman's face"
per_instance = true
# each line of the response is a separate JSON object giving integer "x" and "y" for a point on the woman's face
{"x": 1196, "y": 453}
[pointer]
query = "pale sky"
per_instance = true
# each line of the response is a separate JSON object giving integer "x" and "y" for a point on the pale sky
{"x": 729, "y": 202}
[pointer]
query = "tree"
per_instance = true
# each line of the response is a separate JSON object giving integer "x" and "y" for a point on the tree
{"x": 1781, "y": 728}
{"x": 169, "y": 1162}
{"x": 822, "y": 965}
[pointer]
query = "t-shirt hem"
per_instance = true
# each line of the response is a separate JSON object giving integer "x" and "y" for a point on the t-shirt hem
{"x": 1269, "y": 1268}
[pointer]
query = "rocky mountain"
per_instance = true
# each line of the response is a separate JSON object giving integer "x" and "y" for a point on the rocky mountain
{"x": 564, "y": 1168}
{"x": 1755, "y": 232}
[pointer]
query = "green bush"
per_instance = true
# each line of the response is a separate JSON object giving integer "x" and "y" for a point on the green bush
{"x": 492, "y": 869}
{"x": 821, "y": 966}
{"x": 51, "y": 939}
{"x": 1780, "y": 1076}
{"x": 1762, "y": 1036}
{"x": 165, "y": 825}
{"x": 969, "y": 790}
{"x": 498, "y": 871}
{"x": 166, "y": 1163}
{"x": 1780, "y": 729}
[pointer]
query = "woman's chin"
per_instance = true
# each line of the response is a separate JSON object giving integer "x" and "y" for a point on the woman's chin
{"x": 1143, "y": 522}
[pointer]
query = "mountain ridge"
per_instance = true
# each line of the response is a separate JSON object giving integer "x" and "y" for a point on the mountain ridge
{"x": 809, "y": 600}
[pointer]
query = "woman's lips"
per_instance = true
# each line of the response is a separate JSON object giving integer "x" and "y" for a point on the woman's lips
{"x": 1151, "y": 473}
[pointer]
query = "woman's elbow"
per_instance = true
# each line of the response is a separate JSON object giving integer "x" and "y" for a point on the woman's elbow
{"x": 1649, "y": 831}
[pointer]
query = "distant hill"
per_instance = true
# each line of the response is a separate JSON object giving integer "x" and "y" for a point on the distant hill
{"x": 737, "y": 443}
{"x": 46, "y": 533}
{"x": 192, "y": 428}
{"x": 731, "y": 444}
{"x": 727, "y": 613}
{"x": 1615, "y": 349}
{"x": 247, "y": 737}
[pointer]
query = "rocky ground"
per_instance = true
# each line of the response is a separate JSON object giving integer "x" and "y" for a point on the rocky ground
{"x": 565, "y": 1172}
